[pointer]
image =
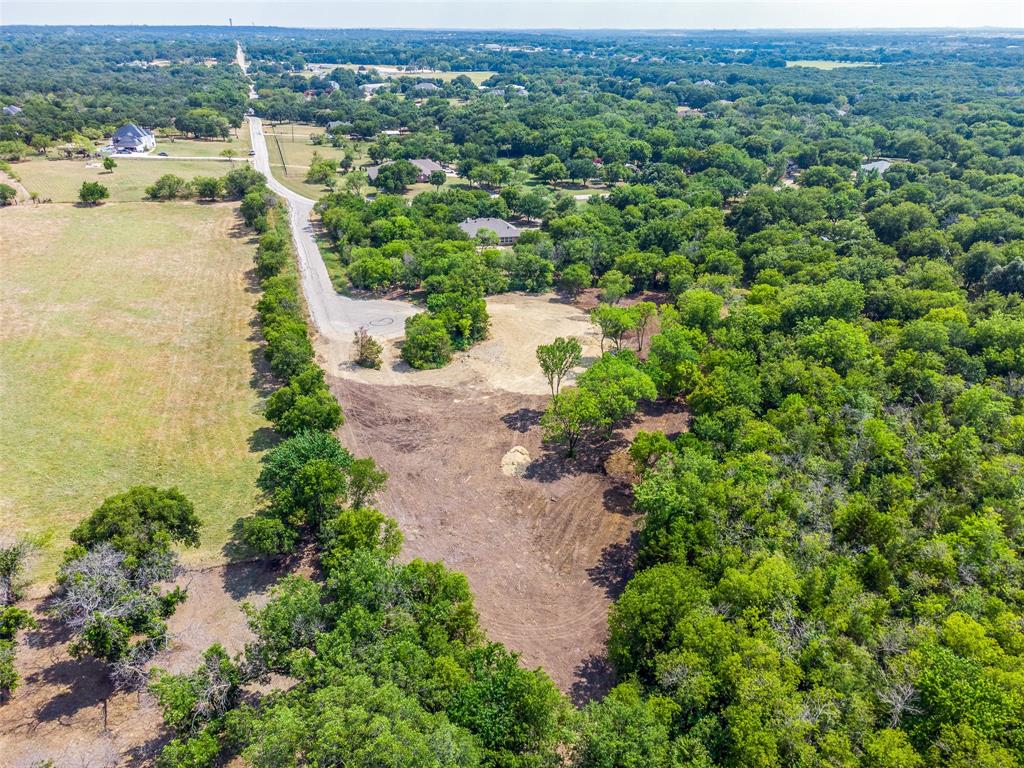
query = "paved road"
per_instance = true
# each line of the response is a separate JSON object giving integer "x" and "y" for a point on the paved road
{"x": 244, "y": 66}
{"x": 336, "y": 317}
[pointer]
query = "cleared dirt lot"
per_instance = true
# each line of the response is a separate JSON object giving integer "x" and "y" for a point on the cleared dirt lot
{"x": 506, "y": 360}
{"x": 546, "y": 547}
{"x": 127, "y": 341}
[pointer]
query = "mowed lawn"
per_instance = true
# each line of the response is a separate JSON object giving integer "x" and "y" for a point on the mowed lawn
{"x": 60, "y": 180}
{"x": 126, "y": 357}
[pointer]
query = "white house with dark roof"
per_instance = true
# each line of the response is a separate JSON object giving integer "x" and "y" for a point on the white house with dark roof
{"x": 507, "y": 233}
{"x": 131, "y": 138}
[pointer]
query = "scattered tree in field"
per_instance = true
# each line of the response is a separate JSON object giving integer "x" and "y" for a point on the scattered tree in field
{"x": 437, "y": 179}
{"x": 575, "y": 278}
{"x": 322, "y": 170}
{"x": 230, "y": 153}
{"x": 92, "y": 192}
{"x": 614, "y": 285}
{"x": 355, "y": 182}
{"x": 109, "y": 164}
{"x": 207, "y": 187}
{"x": 570, "y": 415}
{"x": 557, "y": 359}
{"x": 367, "y": 350}
{"x": 168, "y": 187}
{"x": 8, "y": 194}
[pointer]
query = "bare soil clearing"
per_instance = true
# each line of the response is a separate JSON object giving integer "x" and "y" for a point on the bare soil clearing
{"x": 59, "y": 713}
{"x": 545, "y": 553}
{"x": 506, "y": 360}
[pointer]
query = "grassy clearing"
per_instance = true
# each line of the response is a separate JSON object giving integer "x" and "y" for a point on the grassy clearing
{"x": 178, "y": 147}
{"x": 827, "y": 65}
{"x": 291, "y": 153}
{"x": 60, "y": 180}
{"x": 128, "y": 349}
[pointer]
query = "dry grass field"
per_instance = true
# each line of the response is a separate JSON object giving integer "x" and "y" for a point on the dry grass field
{"x": 128, "y": 349}
{"x": 179, "y": 147}
{"x": 60, "y": 180}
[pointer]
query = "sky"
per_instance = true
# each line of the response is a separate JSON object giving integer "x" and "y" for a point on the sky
{"x": 527, "y": 14}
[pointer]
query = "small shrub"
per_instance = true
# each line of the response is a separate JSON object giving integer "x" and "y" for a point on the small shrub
{"x": 367, "y": 350}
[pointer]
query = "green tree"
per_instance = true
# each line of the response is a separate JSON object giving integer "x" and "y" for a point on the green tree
{"x": 437, "y": 179}
{"x": 557, "y": 359}
{"x": 109, "y": 164}
{"x": 92, "y": 192}
{"x": 207, "y": 187}
{"x": 575, "y": 278}
{"x": 140, "y": 522}
{"x": 167, "y": 187}
{"x": 614, "y": 322}
{"x": 572, "y": 414}
{"x": 427, "y": 344}
{"x": 614, "y": 285}
{"x": 304, "y": 403}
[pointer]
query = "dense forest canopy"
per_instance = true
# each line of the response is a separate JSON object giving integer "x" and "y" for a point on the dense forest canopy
{"x": 829, "y": 565}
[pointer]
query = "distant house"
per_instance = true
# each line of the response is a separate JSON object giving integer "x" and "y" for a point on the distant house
{"x": 131, "y": 138}
{"x": 425, "y": 167}
{"x": 371, "y": 88}
{"x": 426, "y": 88}
{"x": 334, "y": 125}
{"x": 11, "y": 110}
{"x": 507, "y": 233}
{"x": 334, "y": 85}
{"x": 882, "y": 165}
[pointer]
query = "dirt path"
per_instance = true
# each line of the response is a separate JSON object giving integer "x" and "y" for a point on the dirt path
{"x": 22, "y": 195}
{"x": 66, "y": 710}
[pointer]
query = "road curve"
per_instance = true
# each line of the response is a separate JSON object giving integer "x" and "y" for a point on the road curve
{"x": 335, "y": 317}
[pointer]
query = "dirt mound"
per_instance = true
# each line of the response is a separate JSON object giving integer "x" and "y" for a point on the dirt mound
{"x": 515, "y": 462}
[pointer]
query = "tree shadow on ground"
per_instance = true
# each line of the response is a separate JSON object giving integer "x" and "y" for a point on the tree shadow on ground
{"x": 144, "y": 753}
{"x": 594, "y": 679}
{"x": 522, "y": 420}
{"x": 615, "y": 568}
{"x": 590, "y": 457}
{"x": 246, "y": 578}
{"x": 263, "y": 439}
{"x": 87, "y": 681}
